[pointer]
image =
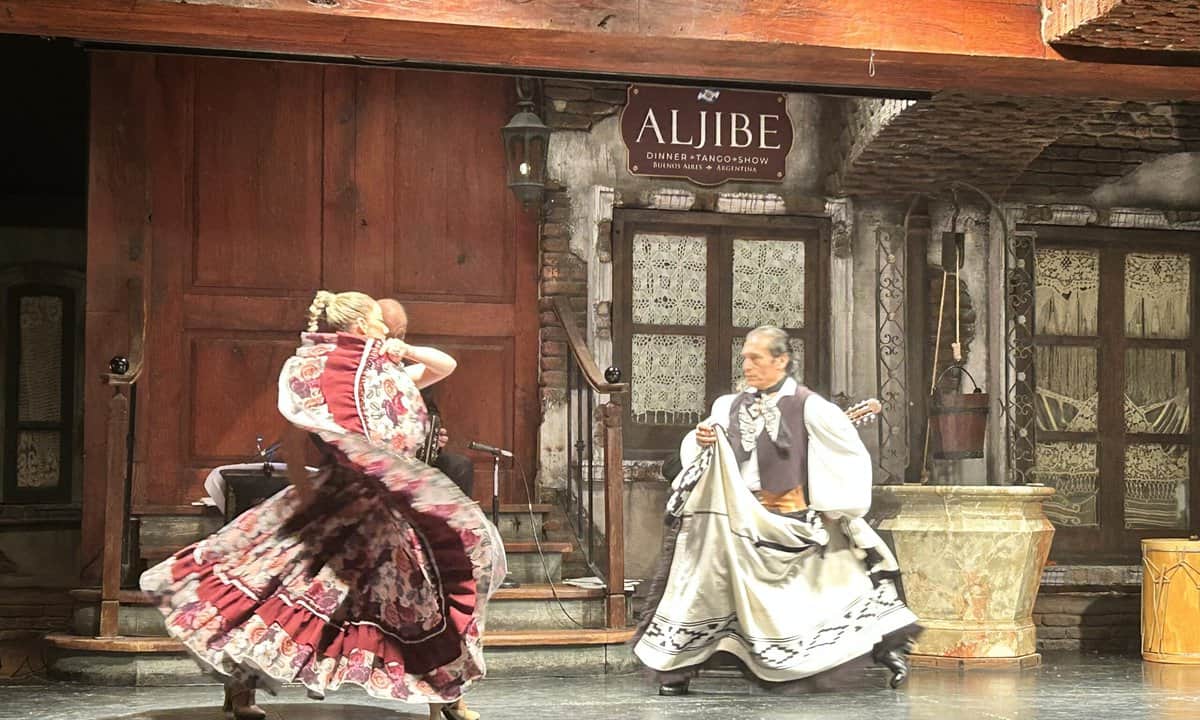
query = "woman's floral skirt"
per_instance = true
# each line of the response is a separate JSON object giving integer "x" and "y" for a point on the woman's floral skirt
{"x": 380, "y": 582}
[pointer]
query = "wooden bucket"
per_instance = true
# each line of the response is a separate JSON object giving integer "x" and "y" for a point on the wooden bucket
{"x": 1171, "y": 601}
{"x": 959, "y": 421}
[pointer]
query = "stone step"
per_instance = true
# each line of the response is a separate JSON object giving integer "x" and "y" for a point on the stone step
{"x": 177, "y": 531}
{"x": 545, "y": 607}
{"x": 161, "y": 536}
{"x": 525, "y": 563}
{"x": 528, "y": 566}
{"x": 125, "y": 661}
{"x": 529, "y": 607}
{"x": 558, "y": 653}
{"x": 517, "y": 523}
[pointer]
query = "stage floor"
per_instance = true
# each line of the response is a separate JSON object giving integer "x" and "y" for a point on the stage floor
{"x": 1067, "y": 687}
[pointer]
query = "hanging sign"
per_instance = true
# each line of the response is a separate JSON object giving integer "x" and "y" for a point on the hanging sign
{"x": 706, "y": 136}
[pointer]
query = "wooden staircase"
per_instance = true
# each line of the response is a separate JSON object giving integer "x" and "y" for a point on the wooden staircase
{"x": 541, "y": 628}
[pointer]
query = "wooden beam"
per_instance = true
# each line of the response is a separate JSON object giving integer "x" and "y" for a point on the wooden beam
{"x": 775, "y": 45}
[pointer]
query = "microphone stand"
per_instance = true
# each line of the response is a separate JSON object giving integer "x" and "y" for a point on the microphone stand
{"x": 509, "y": 582}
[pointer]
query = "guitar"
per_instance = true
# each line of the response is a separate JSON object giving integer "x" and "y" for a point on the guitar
{"x": 864, "y": 412}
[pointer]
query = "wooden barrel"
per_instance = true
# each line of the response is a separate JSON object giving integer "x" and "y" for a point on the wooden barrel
{"x": 1171, "y": 601}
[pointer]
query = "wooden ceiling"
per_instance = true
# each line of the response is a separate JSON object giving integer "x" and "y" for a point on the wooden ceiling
{"x": 855, "y": 46}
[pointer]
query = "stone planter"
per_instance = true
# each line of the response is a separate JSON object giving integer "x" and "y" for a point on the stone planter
{"x": 971, "y": 559}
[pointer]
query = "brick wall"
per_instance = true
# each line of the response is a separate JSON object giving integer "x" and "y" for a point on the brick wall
{"x": 26, "y": 615}
{"x": 984, "y": 140}
{"x": 567, "y": 107}
{"x": 563, "y": 274}
{"x": 1091, "y": 608}
{"x": 1108, "y": 145}
{"x": 1089, "y": 620}
{"x": 1126, "y": 24}
{"x": 578, "y": 105}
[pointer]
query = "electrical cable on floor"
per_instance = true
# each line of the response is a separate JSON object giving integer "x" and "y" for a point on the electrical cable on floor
{"x": 538, "y": 544}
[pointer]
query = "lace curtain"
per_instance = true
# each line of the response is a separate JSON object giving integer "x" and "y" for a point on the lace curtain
{"x": 768, "y": 283}
{"x": 1157, "y": 391}
{"x": 1157, "y": 295}
{"x": 670, "y": 279}
{"x": 1071, "y": 469}
{"x": 39, "y": 393}
{"x": 1067, "y": 395}
{"x": 670, "y": 378}
{"x": 1156, "y": 485}
{"x": 1067, "y": 291}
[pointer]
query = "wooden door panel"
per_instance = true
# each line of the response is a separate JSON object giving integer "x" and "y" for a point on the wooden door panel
{"x": 273, "y": 180}
{"x": 460, "y": 246}
{"x": 476, "y": 401}
{"x": 232, "y": 395}
{"x": 258, "y": 175}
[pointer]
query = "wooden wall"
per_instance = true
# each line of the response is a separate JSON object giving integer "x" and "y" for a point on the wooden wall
{"x": 238, "y": 188}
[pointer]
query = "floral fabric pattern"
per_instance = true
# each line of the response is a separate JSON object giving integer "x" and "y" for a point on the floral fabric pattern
{"x": 381, "y": 581}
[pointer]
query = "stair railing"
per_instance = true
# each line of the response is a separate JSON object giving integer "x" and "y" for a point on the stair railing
{"x": 595, "y": 464}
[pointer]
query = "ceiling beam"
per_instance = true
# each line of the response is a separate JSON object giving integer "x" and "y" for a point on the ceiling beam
{"x": 769, "y": 42}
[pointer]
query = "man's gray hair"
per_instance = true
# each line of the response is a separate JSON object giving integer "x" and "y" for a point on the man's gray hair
{"x": 777, "y": 344}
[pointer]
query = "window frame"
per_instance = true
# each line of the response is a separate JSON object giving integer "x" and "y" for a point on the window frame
{"x": 653, "y": 442}
{"x": 62, "y": 492}
{"x": 1110, "y": 540}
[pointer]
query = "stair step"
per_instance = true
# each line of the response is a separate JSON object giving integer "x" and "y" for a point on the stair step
{"x": 528, "y": 546}
{"x": 125, "y": 597}
{"x": 132, "y": 662}
{"x": 534, "y": 607}
{"x": 528, "y": 607}
{"x": 528, "y": 638}
{"x": 525, "y": 564}
{"x": 177, "y": 531}
{"x": 538, "y": 508}
{"x": 515, "y": 520}
{"x": 557, "y": 653}
{"x": 524, "y": 592}
{"x": 547, "y": 592}
{"x": 121, "y": 644}
{"x": 492, "y": 639}
{"x": 161, "y": 537}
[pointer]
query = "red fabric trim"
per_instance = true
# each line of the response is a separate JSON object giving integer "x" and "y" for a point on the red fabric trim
{"x": 337, "y": 381}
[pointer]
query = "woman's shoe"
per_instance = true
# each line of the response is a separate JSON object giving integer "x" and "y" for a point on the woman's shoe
{"x": 456, "y": 710}
{"x": 239, "y": 702}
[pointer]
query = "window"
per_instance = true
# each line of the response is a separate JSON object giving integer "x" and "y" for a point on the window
{"x": 687, "y": 289}
{"x": 1114, "y": 376}
{"x": 39, "y": 412}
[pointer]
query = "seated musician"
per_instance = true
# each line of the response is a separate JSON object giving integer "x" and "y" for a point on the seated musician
{"x": 429, "y": 366}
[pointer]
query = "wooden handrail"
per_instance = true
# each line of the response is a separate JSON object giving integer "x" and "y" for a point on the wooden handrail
{"x": 579, "y": 348}
{"x": 611, "y": 414}
{"x": 137, "y": 336}
{"x": 614, "y": 513}
{"x": 116, "y": 481}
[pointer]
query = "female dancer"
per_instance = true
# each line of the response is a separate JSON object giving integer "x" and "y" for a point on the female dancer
{"x": 374, "y": 572}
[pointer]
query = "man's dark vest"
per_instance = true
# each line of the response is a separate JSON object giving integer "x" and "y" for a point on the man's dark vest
{"x": 782, "y": 464}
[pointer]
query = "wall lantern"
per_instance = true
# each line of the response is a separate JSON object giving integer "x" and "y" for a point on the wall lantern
{"x": 526, "y": 139}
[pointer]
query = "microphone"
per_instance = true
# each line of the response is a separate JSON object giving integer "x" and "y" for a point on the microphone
{"x": 489, "y": 449}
